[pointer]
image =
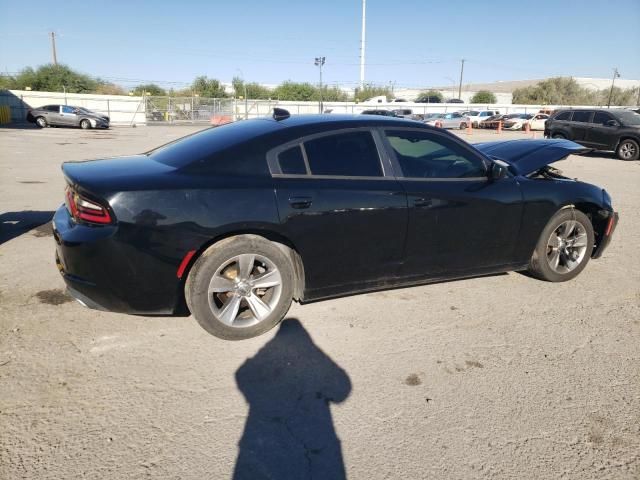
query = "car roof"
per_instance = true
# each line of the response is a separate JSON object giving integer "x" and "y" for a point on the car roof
{"x": 342, "y": 121}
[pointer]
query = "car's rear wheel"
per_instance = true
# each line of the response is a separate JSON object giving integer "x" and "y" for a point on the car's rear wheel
{"x": 240, "y": 287}
{"x": 558, "y": 136}
{"x": 463, "y": 125}
{"x": 85, "y": 124}
{"x": 564, "y": 247}
{"x": 41, "y": 122}
{"x": 628, "y": 150}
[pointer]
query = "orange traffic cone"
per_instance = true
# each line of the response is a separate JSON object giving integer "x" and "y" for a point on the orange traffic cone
{"x": 469, "y": 128}
{"x": 527, "y": 128}
{"x": 499, "y": 127}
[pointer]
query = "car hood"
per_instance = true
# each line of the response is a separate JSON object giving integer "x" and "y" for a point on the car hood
{"x": 527, "y": 156}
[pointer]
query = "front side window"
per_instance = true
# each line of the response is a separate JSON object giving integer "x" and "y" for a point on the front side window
{"x": 67, "y": 109}
{"x": 601, "y": 118}
{"x": 582, "y": 116}
{"x": 351, "y": 154}
{"x": 425, "y": 155}
{"x": 563, "y": 116}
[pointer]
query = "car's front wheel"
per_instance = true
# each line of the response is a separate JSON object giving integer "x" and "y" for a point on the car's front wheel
{"x": 85, "y": 124}
{"x": 564, "y": 247}
{"x": 41, "y": 122}
{"x": 463, "y": 125}
{"x": 558, "y": 136}
{"x": 240, "y": 287}
{"x": 628, "y": 150}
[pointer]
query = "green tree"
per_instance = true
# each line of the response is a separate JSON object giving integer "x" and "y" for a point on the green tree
{"x": 370, "y": 90}
{"x": 555, "y": 91}
{"x": 252, "y": 90}
{"x": 151, "y": 89}
{"x": 108, "y": 88}
{"x": 429, "y": 96}
{"x": 484, "y": 96}
{"x": 55, "y": 78}
{"x": 8, "y": 82}
{"x": 289, "y": 90}
{"x": 208, "y": 87}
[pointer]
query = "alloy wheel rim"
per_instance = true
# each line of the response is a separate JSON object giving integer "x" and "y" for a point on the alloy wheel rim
{"x": 244, "y": 290}
{"x": 627, "y": 150}
{"x": 567, "y": 246}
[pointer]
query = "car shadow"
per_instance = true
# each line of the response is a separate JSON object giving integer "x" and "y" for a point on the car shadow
{"x": 601, "y": 154}
{"x": 14, "y": 224}
{"x": 290, "y": 385}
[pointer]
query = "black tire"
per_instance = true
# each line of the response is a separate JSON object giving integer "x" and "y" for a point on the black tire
{"x": 475, "y": 125}
{"x": 539, "y": 265}
{"x": 558, "y": 136}
{"x": 212, "y": 260}
{"x": 41, "y": 122}
{"x": 85, "y": 124}
{"x": 463, "y": 125}
{"x": 628, "y": 150}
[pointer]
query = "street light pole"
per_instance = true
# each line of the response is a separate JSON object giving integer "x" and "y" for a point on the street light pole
{"x": 362, "y": 42}
{"x": 319, "y": 62}
{"x": 613, "y": 80}
{"x": 460, "y": 87}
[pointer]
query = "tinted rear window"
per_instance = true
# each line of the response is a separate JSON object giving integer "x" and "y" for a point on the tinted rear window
{"x": 581, "y": 116}
{"x": 563, "y": 116}
{"x": 352, "y": 154}
{"x": 601, "y": 118}
{"x": 292, "y": 162}
{"x": 203, "y": 146}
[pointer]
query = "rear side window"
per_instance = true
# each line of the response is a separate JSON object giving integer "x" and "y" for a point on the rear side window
{"x": 52, "y": 108}
{"x": 581, "y": 116}
{"x": 352, "y": 154}
{"x": 292, "y": 162}
{"x": 563, "y": 116}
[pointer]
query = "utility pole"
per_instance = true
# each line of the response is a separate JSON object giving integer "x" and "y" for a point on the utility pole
{"x": 362, "y": 44}
{"x": 53, "y": 48}
{"x": 319, "y": 63}
{"x": 460, "y": 86}
{"x": 613, "y": 80}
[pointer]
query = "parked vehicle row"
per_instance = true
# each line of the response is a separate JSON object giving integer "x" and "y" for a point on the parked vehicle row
{"x": 615, "y": 130}
{"x": 233, "y": 223}
{"x": 67, "y": 116}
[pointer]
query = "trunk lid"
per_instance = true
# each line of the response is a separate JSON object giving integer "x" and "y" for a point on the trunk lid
{"x": 528, "y": 156}
{"x": 134, "y": 172}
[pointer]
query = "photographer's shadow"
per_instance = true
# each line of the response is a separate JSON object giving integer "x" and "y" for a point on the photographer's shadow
{"x": 289, "y": 385}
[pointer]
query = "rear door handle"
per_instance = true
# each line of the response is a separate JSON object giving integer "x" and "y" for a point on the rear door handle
{"x": 300, "y": 202}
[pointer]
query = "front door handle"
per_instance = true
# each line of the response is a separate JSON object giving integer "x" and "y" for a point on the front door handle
{"x": 422, "y": 202}
{"x": 300, "y": 202}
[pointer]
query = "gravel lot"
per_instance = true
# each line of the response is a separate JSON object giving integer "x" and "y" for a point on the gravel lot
{"x": 496, "y": 377}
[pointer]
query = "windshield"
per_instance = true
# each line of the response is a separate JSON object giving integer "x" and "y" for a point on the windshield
{"x": 86, "y": 110}
{"x": 628, "y": 118}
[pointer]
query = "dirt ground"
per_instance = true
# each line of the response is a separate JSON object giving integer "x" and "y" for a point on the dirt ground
{"x": 496, "y": 377}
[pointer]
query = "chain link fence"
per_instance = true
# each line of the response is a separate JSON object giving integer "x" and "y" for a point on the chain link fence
{"x": 195, "y": 109}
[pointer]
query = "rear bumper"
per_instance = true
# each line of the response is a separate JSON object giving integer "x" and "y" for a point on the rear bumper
{"x": 611, "y": 224}
{"x": 105, "y": 273}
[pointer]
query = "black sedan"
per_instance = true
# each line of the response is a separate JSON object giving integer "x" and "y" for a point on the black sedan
{"x": 233, "y": 223}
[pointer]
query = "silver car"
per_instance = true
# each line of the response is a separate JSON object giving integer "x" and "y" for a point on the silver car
{"x": 67, "y": 116}
{"x": 449, "y": 120}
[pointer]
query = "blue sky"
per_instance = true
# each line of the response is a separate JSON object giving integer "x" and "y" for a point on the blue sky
{"x": 409, "y": 42}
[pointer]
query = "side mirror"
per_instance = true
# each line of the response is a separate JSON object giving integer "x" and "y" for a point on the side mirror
{"x": 498, "y": 170}
{"x": 612, "y": 123}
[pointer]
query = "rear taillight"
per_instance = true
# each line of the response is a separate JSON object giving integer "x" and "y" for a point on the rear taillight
{"x": 86, "y": 210}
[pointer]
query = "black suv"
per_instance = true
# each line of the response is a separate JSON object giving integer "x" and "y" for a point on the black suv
{"x": 615, "y": 129}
